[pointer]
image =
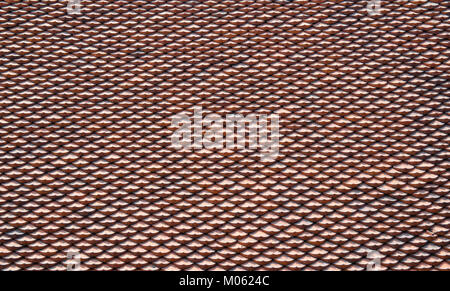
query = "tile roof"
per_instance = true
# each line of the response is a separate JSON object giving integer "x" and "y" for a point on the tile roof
{"x": 86, "y": 162}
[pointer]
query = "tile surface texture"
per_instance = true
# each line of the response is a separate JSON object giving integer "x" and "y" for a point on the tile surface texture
{"x": 86, "y": 162}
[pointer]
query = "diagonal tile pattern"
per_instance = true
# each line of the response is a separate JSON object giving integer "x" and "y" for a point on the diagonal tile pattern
{"x": 86, "y": 162}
